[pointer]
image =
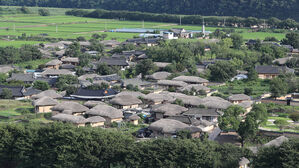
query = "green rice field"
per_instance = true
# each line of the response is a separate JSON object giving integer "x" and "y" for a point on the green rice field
{"x": 58, "y": 25}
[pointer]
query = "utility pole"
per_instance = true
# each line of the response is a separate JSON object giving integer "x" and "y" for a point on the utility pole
{"x": 105, "y": 25}
{"x": 180, "y": 20}
{"x": 224, "y": 22}
{"x": 56, "y": 29}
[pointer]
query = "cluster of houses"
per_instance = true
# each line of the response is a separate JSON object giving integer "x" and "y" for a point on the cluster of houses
{"x": 171, "y": 104}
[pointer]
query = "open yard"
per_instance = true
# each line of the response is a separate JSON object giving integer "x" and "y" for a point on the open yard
{"x": 58, "y": 25}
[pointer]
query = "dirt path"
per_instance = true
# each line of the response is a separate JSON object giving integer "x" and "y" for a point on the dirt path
{"x": 101, "y": 31}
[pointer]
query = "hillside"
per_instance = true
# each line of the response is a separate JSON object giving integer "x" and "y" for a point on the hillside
{"x": 244, "y": 8}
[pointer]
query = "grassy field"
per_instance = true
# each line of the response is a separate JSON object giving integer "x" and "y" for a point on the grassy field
{"x": 70, "y": 27}
{"x": 34, "y": 63}
{"x": 12, "y": 107}
{"x": 271, "y": 126}
{"x": 258, "y": 87}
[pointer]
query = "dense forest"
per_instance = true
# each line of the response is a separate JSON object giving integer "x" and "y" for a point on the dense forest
{"x": 244, "y": 8}
{"x": 63, "y": 145}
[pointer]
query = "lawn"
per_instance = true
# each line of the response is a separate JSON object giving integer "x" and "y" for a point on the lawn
{"x": 34, "y": 63}
{"x": 12, "y": 107}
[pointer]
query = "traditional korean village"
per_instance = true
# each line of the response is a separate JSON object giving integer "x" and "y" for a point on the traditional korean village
{"x": 166, "y": 93}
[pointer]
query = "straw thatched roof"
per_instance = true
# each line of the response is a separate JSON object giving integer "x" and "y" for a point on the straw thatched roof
{"x": 191, "y": 79}
{"x": 95, "y": 119}
{"x": 69, "y": 118}
{"x": 215, "y": 102}
{"x": 168, "y": 109}
{"x": 53, "y": 72}
{"x": 105, "y": 111}
{"x": 197, "y": 87}
{"x": 125, "y": 100}
{"x": 276, "y": 142}
{"x": 88, "y": 76}
{"x": 237, "y": 97}
{"x": 91, "y": 103}
{"x": 54, "y": 62}
{"x": 47, "y": 93}
{"x": 134, "y": 117}
{"x": 155, "y": 97}
{"x": 159, "y": 75}
{"x": 167, "y": 126}
{"x": 187, "y": 100}
{"x": 172, "y": 83}
{"x": 45, "y": 101}
{"x": 74, "y": 107}
{"x": 131, "y": 93}
{"x": 246, "y": 104}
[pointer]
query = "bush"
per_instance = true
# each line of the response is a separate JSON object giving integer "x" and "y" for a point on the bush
{"x": 48, "y": 115}
{"x": 294, "y": 116}
{"x": 41, "y": 85}
{"x": 44, "y": 12}
{"x": 6, "y": 94}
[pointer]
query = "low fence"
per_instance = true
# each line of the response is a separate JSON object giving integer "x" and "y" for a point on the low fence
{"x": 282, "y": 102}
{"x": 277, "y": 134}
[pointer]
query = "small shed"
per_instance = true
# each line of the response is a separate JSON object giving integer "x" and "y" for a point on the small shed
{"x": 44, "y": 104}
{"x": 126, "y": 102}
{"x": 238, "y": 98}
{"x": 76, "y": 120}
{"x": 95, "y": 121}
{"x": 110, "y": 114}
{"x": 134, "y": 119}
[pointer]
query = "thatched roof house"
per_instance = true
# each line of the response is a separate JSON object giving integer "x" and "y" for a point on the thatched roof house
{"x": 91, "y": 103}
{"x": 238, "y": 98}
{"x": 131, "y": 93}
{"x": 155, "y": 98}
{"x": 54, "y": 62}
{"x": 44, "y": 104}
{"x": 166, "y": 110}
{"x": 134, "y": 119}
{"x": 191, "y": 79}
{"x": 56, "y": 72}
{"x": 88, "y": 76}
{"x": 77, "y": 120}
{"x": 47, "y": 93}
{"x": 162, "y": 75}
{"x": 196, "y": 87}
{"x": 73, "y": 107}
{"x": 166, "y": 127}
{"x": 45, "y": 101}
{"x": 215, "y": 102}
{"x": 111, "y": 114}
{"x": 125, "y": 102}
{"x": 95, "y": 121}
{"x": 171, "y": 83}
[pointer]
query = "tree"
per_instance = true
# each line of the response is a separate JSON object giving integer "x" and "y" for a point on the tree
{"x": 231, "y": 118}
{"x": 103, "y": 69}
{"x": 95, "y": 36}
{"x": 44, "y": 12}
{"x": 65, "y": 80}
{"x": 6, "y": 93}
{"x": 146, "y": 67}
{"x": 291, "y": 39}
{"x": 81, "y": 38}
{"x": 237, "y": 40}
{"x": 41, "y": 85}
{"x": 248, "y": 129}
{"x": 281, "y": 124}
{"x": 278, "y": 87}
{"x": 283, "y": 156}
{"x": 252, "y": 74}
{"x": 74, "y": 50}
{"x": 222, "y": 71}
{"x": 260, "y": 113}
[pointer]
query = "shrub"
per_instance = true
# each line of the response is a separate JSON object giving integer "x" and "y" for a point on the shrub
{"x": 294, "y": 116}
{"x": 44, "y": 12}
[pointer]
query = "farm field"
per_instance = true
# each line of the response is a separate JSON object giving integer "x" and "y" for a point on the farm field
{"x": 58, "y": 25}
{"x": 13, "y": 107}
